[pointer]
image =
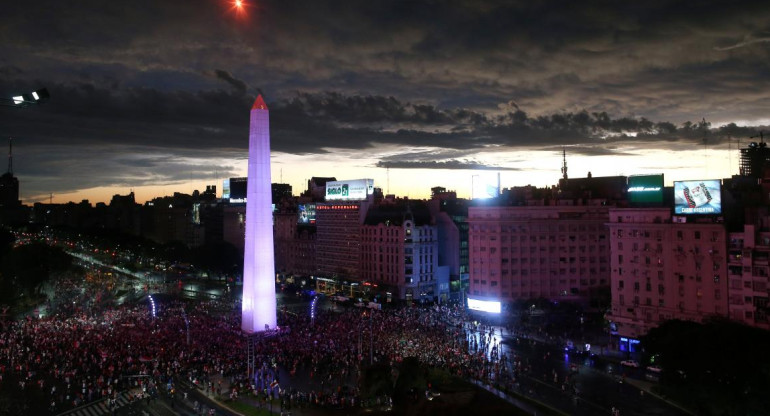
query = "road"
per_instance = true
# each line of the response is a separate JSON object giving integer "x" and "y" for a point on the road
{"x": 575, "y": 383}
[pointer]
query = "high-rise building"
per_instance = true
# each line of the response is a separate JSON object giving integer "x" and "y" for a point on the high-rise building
{"x": 755, "y": 159}
{"x": 9, "y": 184}
{"x": 280, "y": 192}
{"x": 258, "y": 307}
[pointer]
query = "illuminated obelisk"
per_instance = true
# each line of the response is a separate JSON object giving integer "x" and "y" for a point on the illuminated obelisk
{"x": 258, "y": 311}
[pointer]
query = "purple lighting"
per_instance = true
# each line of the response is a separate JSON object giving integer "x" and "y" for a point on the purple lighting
{"x": 258, "y": 310}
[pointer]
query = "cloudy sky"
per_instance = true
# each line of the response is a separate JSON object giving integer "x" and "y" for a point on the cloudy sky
{"x": 154, "y": 96}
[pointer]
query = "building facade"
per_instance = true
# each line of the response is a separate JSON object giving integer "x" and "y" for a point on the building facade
{"x": 665, "y": 267}
{"x": 748, "y": 272}
{"x": 526, "y": 252}
{"x": 338, "y": 238}
{"x": 400, "y": 250}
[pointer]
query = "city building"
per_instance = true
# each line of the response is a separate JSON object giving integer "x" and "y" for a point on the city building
{"x": 555, "y": 252}
{"x": 338, "y": 238}
{"x": 450, "y": 215}
{"x": 280, "y": 192}
{"x": 399, "y": 251}
{"x": 11, "y": 210}
{"x": 295, "y": 250}
{"x": 665, "y": 267}
{"x": 748, "y": 274}
{"x": 754, "y": 159}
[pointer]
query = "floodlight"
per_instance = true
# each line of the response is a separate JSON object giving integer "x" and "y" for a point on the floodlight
{"x": 26, "y": 100}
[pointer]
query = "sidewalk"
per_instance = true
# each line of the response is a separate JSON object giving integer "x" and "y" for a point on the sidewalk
{"x": 225, "y": 402}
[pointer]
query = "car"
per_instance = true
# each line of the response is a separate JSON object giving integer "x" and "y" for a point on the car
{"x": 630, "y": 363}
{"x": 654, "y": 369}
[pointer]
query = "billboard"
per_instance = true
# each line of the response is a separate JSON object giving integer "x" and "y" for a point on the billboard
{"x": 485, "y": 186}
{"x": 234, "y": 190}
{"x": 491, "y": 306}
{"x": 698, "y": 197}
{"x": 350, "y": 190}
{"x": 226, "y": 189}
{"x": 306, "y": 214}
{"x": 645, "y": 189}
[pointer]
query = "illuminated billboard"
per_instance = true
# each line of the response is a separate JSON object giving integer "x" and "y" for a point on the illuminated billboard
{"x": 485, "y": 186}
{"x": 306, "y": 214}
{"x": 350, "y": 190}
{"x": 645, "y": 189}
{"x": 698, "y": 197}
{"x": 234, "y": 190}
{"x": 491, "y": 306}
{"x": 226, "y": 189}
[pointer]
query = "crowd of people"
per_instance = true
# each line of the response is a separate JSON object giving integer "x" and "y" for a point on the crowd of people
{"x": 85, "y": 350}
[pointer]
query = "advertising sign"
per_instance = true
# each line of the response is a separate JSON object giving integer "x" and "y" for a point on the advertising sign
{"x": 226, "y": 189}
{"x": 350, "y": 190}
{"x": 306, "y": 214}
{"x": 490, "y": 306}
{"x": 645, "y": 189}
{"x": 698, "y": 197}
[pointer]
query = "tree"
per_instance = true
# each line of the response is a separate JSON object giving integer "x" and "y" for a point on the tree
{"x": 26, "y": 267}
{"x": 720, "y": 363}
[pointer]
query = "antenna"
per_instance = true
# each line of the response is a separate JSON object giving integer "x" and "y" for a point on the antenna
{"x": 705, "y": 148}
{"x": 564, "y": 166}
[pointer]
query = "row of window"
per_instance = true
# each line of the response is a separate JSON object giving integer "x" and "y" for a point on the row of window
{"x": 561, "y": 282}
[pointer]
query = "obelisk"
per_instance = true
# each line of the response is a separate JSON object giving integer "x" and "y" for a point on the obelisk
{"x": 258, "y": 310}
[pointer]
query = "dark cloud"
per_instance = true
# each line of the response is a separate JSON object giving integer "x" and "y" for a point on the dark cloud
{"x": 177, "y": 78}
{"x": 239, "y": 85}
{"x": 448, "y": 164}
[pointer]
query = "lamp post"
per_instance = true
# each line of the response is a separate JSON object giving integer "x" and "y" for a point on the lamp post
{"x": 371, "y": 338}
{"x": 26, "y": 100}
{"x": 187, "y": 325}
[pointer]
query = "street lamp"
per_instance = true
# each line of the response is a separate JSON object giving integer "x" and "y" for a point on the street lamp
{"x": 26, "y": 100}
